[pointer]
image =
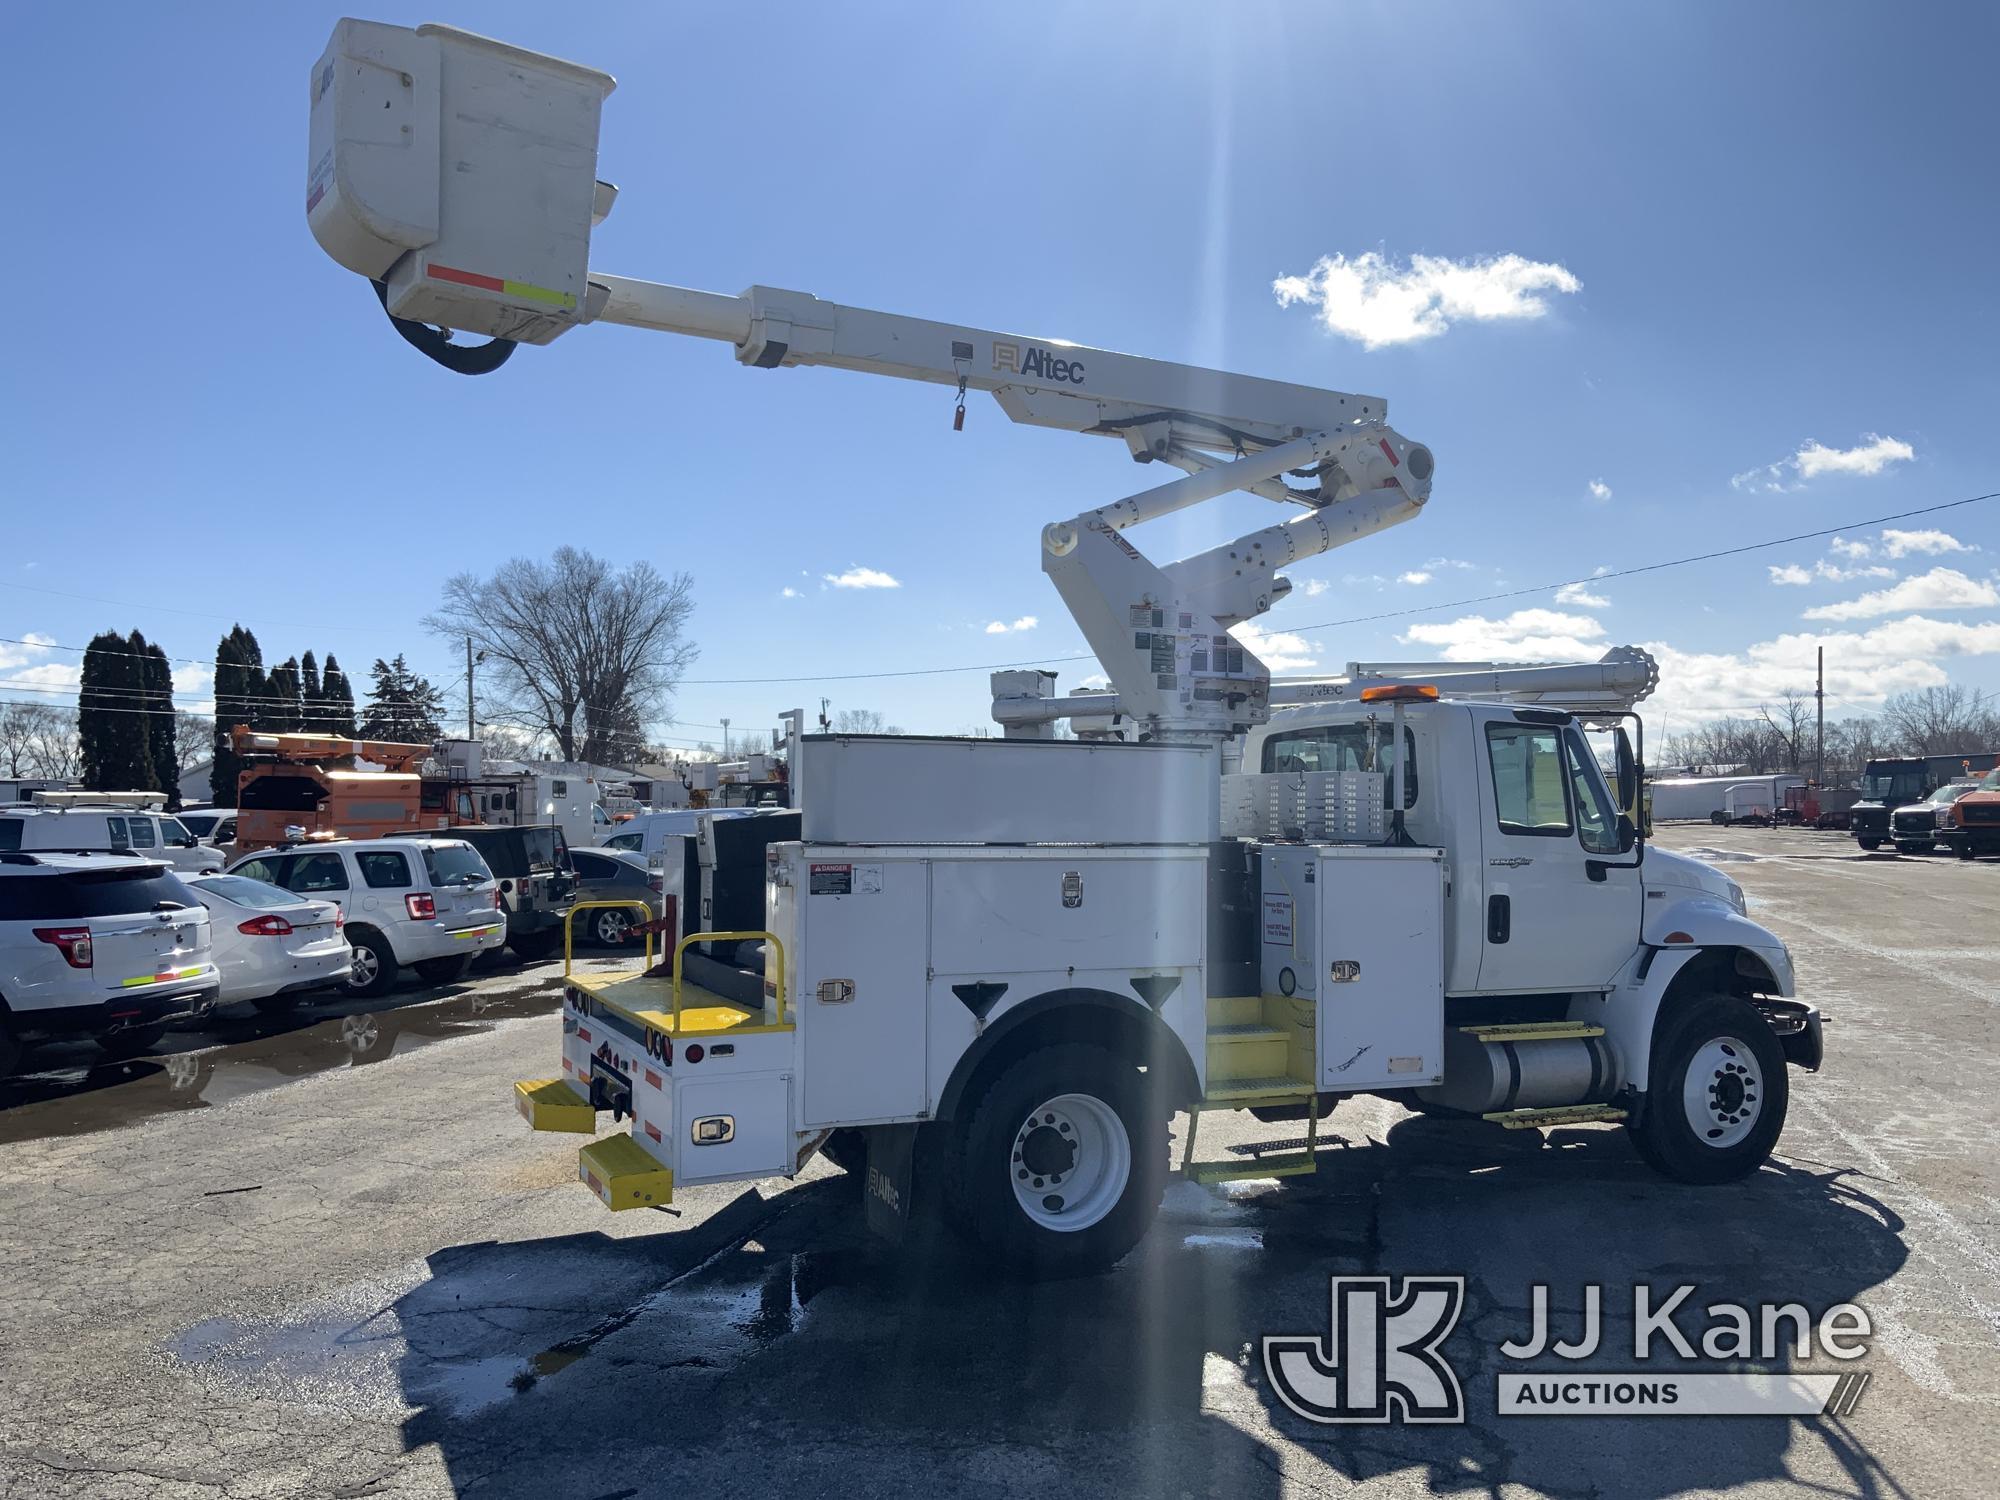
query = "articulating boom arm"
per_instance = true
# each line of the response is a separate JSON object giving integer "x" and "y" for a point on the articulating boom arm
{"x": 459, "y": 175}
{"x": 1605, "y": 689}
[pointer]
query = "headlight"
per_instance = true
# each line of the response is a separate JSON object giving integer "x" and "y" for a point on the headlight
{"x": 1734, "y": 893}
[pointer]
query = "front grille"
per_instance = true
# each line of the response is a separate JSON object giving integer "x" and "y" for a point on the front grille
{"x": 1915, "y": 822}
{"x": 1979, "y": 812}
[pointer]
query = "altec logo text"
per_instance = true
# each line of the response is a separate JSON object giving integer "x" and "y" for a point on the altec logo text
{"x": 1038, "y": 364}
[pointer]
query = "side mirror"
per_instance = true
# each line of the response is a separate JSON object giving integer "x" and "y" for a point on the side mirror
{"x": 190, "y": 843}
{"x": 1628, "y": 776}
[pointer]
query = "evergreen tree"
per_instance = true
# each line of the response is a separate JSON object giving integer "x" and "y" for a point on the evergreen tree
{"x": 338, "y": 696}
{"x": 239, "y": 686}
{"x": 312, "y": 697}
{"x": 157, "y": 681}
{"x": 111, "y": 726}
{"x": 401, "y": 705}
{"x": 283, "y": 709}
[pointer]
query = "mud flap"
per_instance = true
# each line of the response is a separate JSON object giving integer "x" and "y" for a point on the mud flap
{"x": 891, "y": 1152}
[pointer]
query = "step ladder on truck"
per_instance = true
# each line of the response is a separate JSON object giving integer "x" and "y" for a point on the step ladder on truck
{"x": 1015, "y": 960}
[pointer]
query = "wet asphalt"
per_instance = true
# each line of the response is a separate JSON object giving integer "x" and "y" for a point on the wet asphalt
{"x": 321, "y": 1256}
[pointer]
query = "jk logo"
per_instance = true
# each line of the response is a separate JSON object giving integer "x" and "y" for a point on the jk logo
{"x": 1381, "y": 1360}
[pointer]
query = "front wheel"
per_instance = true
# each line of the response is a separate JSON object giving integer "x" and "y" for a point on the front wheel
{"x": 1963, "y": 851}
{"x": 1869, "y": 845}
{"x": 1059, "y": 1169}
{"x": 1718, "y": 1094}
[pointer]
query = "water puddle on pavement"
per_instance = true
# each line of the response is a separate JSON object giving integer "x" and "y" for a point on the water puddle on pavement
{"x": 74, "y": 1090}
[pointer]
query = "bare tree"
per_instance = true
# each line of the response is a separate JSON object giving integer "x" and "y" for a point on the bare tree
{"x": 1788, "y": 724}
{"x": 863, "y": 721}
{"x": 194, "y": 741}
{"x": 54, "y": 749}
{"x": 1940, "y": 720}
{"x": 17, "y": 737}
{"x": 576, "y": 649}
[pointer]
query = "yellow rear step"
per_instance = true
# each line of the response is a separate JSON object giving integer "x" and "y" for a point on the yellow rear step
{"x": 621, "y": 1173}
{"x": 552, "y": 1104}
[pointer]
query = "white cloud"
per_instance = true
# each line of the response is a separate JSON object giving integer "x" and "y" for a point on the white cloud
{"x": 788, "y": 592}
{"x": 1931, "y": 543}
{"x": 1414, "y": 576}
{"x": 1871, "y": 456}
{"x": 1826, "y": 571}
{"x": 1095, "y": 680}
{"x": 1377, "y": 303}
{"x": 862, "y": 578}
{"x": 1599, "y": 490}
{"x": 1580, "y": 594}
{"x": 32, "y": 648}
{"x": 1862, "y": 667}
{"x": 1279, "y": 650}
{"x": 1941, "y": 588}
{"x": 1001, "y": 627}
{"x": 1841, "y": 547}
{"x": 1525, "y": 635}
{"x": 1315, "y": 587}
{"x": 1450, "y": 562}
{"x": 1790, "y": 573}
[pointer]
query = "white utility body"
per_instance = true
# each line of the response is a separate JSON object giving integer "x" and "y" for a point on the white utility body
{"x": 998, "y": 967}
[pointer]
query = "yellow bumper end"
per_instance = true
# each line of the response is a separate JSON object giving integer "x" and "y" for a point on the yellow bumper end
{"x": 552, "y": 1104}
{"x": 620, "y": 1172}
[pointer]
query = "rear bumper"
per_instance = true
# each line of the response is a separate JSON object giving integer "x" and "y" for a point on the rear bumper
{"x": 126, "y": 1013}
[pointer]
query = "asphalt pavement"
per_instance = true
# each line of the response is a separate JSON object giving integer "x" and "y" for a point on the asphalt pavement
{"x": 322, "y": 1256}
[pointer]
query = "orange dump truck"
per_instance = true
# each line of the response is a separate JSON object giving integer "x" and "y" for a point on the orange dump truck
{"x": 329, "y": 784}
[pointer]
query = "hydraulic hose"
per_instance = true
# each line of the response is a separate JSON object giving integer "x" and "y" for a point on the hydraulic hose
{"x": 462, "y": 359}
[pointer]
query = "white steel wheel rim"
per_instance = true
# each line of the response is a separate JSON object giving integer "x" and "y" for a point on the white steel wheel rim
{"x": 612, "y": 926}
{"x": 1723, "y": 1093}
{"x": 365, "y": 968}
{"x": 1070, "y": 1160}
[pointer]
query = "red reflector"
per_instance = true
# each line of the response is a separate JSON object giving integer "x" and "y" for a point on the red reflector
{"x": 694, "y": 1054}
{"x": 1680, "y": 937}
{"x": 422, "y": 906}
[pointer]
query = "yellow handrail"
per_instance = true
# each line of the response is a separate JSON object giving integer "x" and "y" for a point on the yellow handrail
{"x": 570, "y": 915}
{"x": 726, "y": 937}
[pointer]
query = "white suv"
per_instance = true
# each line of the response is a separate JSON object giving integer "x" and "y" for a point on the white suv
{"x": 101, "y": 945}
{"x": 429, "y": 903}
{"x": 109, "y": 827}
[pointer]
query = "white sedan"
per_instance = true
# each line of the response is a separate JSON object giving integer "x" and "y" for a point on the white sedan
{"x": 272, "y": 945}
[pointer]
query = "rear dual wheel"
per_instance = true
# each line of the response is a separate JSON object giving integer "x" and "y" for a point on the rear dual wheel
{"x": 1059, "y": 1167}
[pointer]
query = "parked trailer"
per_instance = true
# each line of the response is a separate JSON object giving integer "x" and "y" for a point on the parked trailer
{"x": 1708, "y": 799}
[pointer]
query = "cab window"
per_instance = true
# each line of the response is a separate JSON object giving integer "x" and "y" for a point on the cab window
{"x": 1529, "y": 796}
{"x": 115, "y": 827}
{"x": 316, "y": 872}
{"x": 142, "y": 832}
{"x": 1343, "y": 747}
{"x": 1596, "y": 818}
{"x": 174, "y": 831}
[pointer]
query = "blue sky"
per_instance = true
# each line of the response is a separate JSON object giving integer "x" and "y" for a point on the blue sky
{"x": 1754, "y": 244}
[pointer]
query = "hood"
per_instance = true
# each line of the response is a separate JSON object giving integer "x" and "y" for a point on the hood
{"x": 1677, "y": 872}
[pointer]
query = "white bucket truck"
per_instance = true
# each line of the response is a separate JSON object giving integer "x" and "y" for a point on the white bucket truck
{"x": 1014, "y": 961}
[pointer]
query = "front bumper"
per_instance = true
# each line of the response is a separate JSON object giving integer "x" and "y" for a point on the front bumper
{"x": 1800, "y": 1032}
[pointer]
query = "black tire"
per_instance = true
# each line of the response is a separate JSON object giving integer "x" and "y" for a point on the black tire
{"x": 1713, "y": 1032}
{"x": 131, "y": 1042}
{"x": 1869, "y": 845}
{"x": 847, "y": 1150}
{"x": 13, "y": 1051}
{"x": 444, "y": 970}
{"x": 374, "y": 968}
{"x": 1909, "y": 848}
{"x": 1721, "y": 820}
{"x": 997, "y": 1140}
{"x": 1963, "y": 851}
{"x": 612, "y": 928}
{"x": 535, "y": 946}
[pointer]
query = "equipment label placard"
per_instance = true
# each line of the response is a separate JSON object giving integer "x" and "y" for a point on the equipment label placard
{"x": 1278, "y": 921}
{"x": 830, "y": 880}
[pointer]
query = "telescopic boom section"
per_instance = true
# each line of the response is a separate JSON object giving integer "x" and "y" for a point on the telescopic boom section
{"x": 459, "y": 174}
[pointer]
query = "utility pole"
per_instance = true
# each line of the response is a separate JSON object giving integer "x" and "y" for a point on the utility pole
{"x": 725, "y": 739}
{"x": 471, "y": 726}
{"x": 1819, "y": 735}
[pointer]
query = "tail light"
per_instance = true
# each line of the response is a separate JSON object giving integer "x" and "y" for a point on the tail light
{"x": 339, "y": 919}
{"x": 496, "y": 898}
{"x": 423, "y": 906}
{"x": 265, "y": 926}
{"x": 72, "y": 942}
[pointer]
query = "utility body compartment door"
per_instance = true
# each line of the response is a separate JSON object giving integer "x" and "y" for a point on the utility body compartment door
{"x": 1379, "y": 961}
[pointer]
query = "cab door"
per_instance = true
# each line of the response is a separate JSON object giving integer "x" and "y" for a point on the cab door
{"x": 1562, "y": 900}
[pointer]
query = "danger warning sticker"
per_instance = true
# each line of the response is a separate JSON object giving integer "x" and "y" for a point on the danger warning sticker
{"x": 830, "y": 880}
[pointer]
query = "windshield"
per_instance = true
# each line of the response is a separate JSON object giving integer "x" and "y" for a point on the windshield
{"x": 240, "y": 890}
{"x": 1885, "y": 786}
{"x": 1990, "y": 782}
{"x": 201, "y": 824}
{"x": 1953, "y": 792}
{"x": 455, "y": 864}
